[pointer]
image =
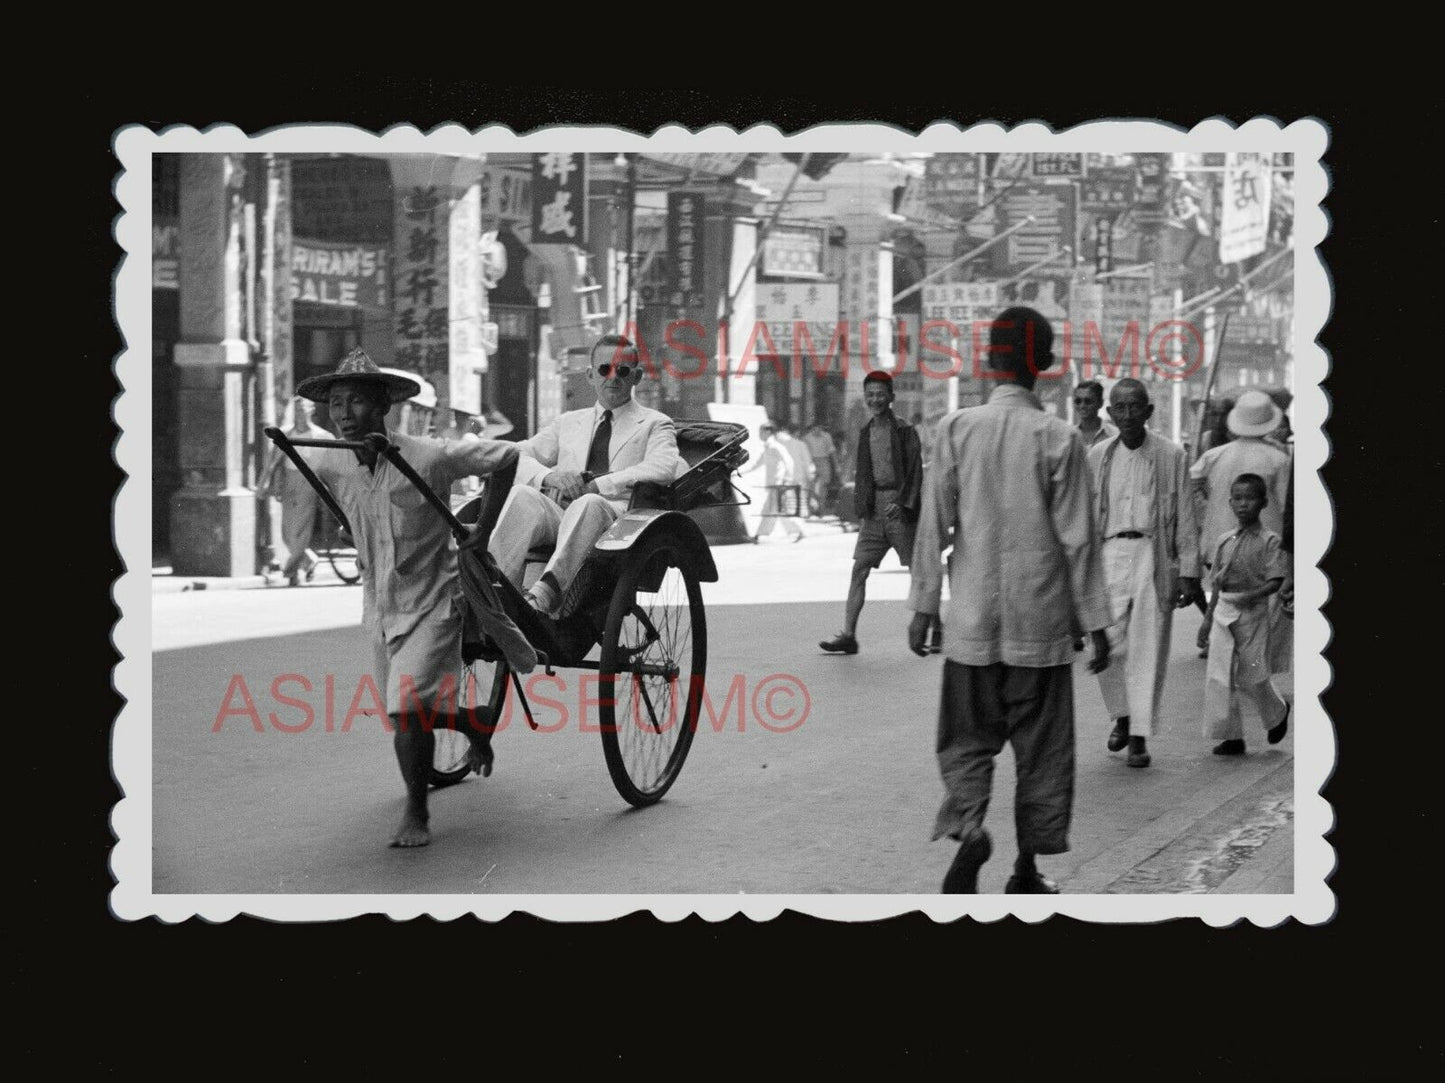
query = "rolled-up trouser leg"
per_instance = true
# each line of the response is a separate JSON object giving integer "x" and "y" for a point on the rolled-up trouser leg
{"x": 971, "y": 732}
{"x": 1040, "y": 711}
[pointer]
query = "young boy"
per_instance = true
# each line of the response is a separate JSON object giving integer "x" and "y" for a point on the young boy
{"x": 1249, "y": 566}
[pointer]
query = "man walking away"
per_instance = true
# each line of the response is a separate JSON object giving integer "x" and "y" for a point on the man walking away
{"x": 1009, "y": 490}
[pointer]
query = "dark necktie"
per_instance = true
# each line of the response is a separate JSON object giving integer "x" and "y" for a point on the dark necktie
{"x": 597, "y": 456}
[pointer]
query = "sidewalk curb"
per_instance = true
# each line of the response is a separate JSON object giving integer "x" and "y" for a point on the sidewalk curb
{"x": 1095, "y": 875}
{"x": 177, "y": 584}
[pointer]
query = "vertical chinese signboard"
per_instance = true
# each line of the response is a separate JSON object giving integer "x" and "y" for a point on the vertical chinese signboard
{"x": 686, "y": 215}
{"x": 1152, "y": 205}
{"x": 422, "y": 334}
{"x": 861, "y": 298}
{"x": 559, "y": 199}
{"x": 1244, "y": 214}
{"x": 1055, "y": 212}
{"x": 1125, "y": 327}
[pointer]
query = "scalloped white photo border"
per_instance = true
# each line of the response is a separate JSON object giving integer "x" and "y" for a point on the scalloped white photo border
{"x": 1312, "y": 901}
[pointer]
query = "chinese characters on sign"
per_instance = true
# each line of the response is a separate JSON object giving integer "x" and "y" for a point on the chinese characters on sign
{"x": 685, "y": 217}
{"x": 1104, "y": 245}
{"x": 1058, "y": 165}
{"x": 1152, "y": 205}
{"x": 1244, "y": 215}
{"x": 422, "y": 332}
{"x": 1125, "y": 302}
{"x": 1107, "y": 190}
{"x": 559, "y": 199}
{"x": 341, "y": 275}
{"x": 781, "y": 306}
{"x": 951, "y": 182}
{"x": 960, "y": 304}
{"x": 862, "y": 296}
{"x": 793, "y": 253}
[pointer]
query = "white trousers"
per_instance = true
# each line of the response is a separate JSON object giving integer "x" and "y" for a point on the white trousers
{"x": 532, "y": 520}
{"x": 1133, "y": 684}
{"x": 1237, "y": 684}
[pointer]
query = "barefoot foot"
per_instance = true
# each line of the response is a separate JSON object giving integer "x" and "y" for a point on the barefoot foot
{"x": 412, "y": 832}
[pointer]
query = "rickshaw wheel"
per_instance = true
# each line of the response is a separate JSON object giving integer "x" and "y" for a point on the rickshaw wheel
{"x": 449, "y": 754}
{"x": 654, "y": 661}
{"x": 449, "y": 759}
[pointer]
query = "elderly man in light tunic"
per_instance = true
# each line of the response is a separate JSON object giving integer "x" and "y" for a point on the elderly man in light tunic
{"x": 1145, "y": 513}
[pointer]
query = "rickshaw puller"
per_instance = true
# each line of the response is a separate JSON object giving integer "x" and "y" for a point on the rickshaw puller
{"x": 410, "y": 602}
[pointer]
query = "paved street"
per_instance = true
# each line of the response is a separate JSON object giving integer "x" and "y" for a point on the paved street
{"x": 844, "y": 802}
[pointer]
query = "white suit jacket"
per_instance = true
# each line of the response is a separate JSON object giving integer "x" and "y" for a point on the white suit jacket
{"x": 643, "y": 448}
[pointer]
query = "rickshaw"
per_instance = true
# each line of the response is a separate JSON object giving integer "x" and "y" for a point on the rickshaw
{"x": 638, "y": 597}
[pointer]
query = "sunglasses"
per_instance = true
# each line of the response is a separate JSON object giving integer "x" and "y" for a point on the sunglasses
{"x": 619, "y": 370}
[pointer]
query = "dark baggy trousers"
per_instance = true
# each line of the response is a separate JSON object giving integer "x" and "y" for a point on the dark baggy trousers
{"x": 1032, "y": 709}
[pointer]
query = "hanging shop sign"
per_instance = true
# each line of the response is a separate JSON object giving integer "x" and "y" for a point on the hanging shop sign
{"x": 1107, "y": 189}
{"x": 340, "y": 275}
{"x": 1052, "y": 166}
{"x": 951, "y": 181}
{"x": 686, "y": 212}
{"x": 794, "y": 252}
{"x": 559, "y": 199}
{"x": 1054, "y": 209}
{"x": 721, "y": 165}
{"x": 1152, "y": 206}
{"x": 1244, "y": 213}
{"x": 782, "y": 306}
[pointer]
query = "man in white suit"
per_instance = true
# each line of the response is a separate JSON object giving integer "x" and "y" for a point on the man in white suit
{"x": 576, "y": 476}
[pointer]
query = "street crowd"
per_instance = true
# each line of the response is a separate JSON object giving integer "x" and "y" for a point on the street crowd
{"x": 1057, "y": 535}
{"x": 1057, "y": 532}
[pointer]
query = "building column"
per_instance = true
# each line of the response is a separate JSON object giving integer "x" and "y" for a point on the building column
{"x": 213, "y": 515}
{"x": 439, "y": 302}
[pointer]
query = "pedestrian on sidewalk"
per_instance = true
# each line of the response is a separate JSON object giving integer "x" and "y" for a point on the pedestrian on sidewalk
{"x": 824, "y": 453}
{"x": 1145, "y": 513}
{"x": 803, "y": 468}
{"x": 1253, "y": 417}
{"x": 1009, "y": 491}
{"x": 299, "y": 502}
{"x": 887, "y": 484}
{"x": 1088, "y": 401}
{"x": 1249, "y": 567}
{"x": 778, "y": 475}
{"x": 410, "y": 588}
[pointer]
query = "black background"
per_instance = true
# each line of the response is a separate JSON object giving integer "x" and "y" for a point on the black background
{"x": 1171, "y": 1001}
